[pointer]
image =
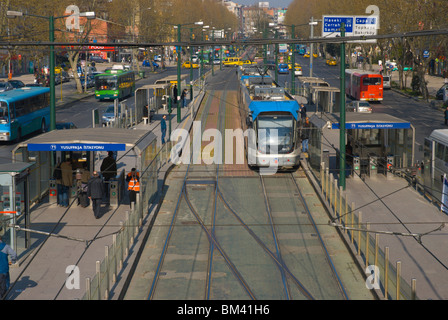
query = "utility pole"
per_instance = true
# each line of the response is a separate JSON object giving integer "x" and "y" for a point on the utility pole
{"x": 342, "y": 154}
{"x": 312, "y": 24}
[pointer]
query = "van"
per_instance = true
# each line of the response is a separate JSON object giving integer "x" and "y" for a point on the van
{"x": 232, "y": 62}
{"x": 386, "y": 82}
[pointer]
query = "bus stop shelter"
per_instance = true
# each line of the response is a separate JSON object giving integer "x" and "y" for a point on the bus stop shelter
{"x": 86, "y": 148}
{"x": 150, "y": 98}
{"x": 374, "y": 142}
{"x": 14, "y": 204}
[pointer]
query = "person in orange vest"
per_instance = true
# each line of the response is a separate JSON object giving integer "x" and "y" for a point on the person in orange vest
{"x": 133, "y": 179}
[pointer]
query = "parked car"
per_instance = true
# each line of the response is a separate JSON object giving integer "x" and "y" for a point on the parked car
{"x": 98, "y": 59}
{"x": 33, "y": 85}
{"x": 158, "y": 58}
{"x": 359, "y": 106}
{"x": 16, "y": 83}
{"x": 194, "y": 59}
{"x": 5, "y": 86}
{"x": 64, "y": 76}
{"x": 439, "y": 93}
{"x": 386, "y": 82}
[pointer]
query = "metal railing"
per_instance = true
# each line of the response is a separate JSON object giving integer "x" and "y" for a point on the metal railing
{"x": 365, "y": 243}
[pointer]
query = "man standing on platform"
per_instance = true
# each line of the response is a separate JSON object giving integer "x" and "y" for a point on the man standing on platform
{"x": 95, "y": 192}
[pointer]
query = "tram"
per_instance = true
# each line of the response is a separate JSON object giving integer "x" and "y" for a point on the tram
{"x": 273, "y": 118}
{"x": 435, "y": 161}
{"x": 363, "y": 85}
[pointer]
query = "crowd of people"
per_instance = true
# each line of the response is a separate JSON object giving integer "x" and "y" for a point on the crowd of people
{"x": 92, "y": 187}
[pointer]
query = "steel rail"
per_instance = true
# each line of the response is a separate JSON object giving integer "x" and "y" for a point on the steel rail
{"x": 280, "y": 264}
{"x": 274, "y": 234}
{"x": 324, "y": 247}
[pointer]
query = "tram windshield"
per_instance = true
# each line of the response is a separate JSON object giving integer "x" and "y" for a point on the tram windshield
{"x": 275, "y": 133}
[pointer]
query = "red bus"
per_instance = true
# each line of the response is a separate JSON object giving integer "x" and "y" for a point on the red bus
{"x": 363, "y": 85}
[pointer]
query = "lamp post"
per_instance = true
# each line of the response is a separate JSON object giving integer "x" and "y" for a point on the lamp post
{"x": 178, "y": 48}
{"x": 88, "y": 15}
{"x": 293, "y": 60}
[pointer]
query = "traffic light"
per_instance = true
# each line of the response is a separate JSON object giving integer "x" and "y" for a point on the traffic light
{"x": 192, "y": 36}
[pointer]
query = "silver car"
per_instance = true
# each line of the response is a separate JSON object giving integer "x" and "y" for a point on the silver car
{"x": 386, "y": 82}
{"x": 359, "y": 106}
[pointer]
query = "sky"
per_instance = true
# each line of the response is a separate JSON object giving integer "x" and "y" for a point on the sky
{"x": 272, "y": 3}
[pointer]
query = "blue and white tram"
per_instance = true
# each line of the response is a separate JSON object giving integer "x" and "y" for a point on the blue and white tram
{"x": 273, "y": 118}
{"x": 436, "y": 161}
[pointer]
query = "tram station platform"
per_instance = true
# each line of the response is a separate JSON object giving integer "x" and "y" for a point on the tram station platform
{"x": 42, "y": 271}
{"x": 402, "y": 217}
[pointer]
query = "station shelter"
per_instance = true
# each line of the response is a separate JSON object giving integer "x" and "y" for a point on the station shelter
{"x": 86, "y": 148}
{"x": 150, "y": 98}
{"x": 14, "y": 207}
{"x": 375, "y": 142}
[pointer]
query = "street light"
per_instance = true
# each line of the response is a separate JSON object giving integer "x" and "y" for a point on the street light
{"x": 179, "y": 88}
{"x": 293, "y": 60}
{"x": 88, "y": 15}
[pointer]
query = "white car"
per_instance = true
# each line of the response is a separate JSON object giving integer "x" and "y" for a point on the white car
{"x": 194, "y": 59}
{"x": 359, "y": 106}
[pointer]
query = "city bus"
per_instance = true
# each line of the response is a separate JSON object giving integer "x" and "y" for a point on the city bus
{"x": 24, "y": 111}
{"x": 363, "y": 85}
{"x": 114, "y": 84}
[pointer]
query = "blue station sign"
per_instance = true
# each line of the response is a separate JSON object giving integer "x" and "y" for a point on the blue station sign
{"x": 378, "y": 125}
{"x": 76, "y": 147}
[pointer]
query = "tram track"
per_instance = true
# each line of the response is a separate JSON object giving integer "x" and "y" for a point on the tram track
{"x": 214, "y": 225}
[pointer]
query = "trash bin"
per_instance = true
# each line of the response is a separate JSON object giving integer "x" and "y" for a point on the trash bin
{"x": 141, "y": 73}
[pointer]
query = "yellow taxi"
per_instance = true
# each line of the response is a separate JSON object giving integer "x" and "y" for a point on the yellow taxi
{"x": 306, "y": 55}
{"x": 298, "y": 70}
{"x": 232, "y": 62}
{"x": 290, "y": 65}
{"x": 248, "y": 62}
{"x": 331, "y": 62}
{"x": 315, "y": 55}
{"x": 188, "y": 64}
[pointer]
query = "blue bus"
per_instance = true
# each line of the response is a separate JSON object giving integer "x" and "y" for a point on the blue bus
{"x": 24, "y": 111}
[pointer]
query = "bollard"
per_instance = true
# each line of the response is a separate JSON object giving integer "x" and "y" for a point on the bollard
{"x": 398, "y": 279}
{"x": 367, "y": 244}
{"x": 414, "y": 289}
{"x": 386, "y": 271}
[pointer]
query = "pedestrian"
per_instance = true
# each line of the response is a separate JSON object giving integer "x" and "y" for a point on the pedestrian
{"x": 446, "y": 116}
{"x": 66, "y": 181}
{"x": 95, "y": 192}
{"x": 302, "y": 112}
{"x": 305, "y": 134}
{"x": 83, "y": 200}
{"x": 108, "y": 170}
{"x": 163, "y": 128}
{"x": 133, "y": 179}
{"x": 183, "y": 97}
{"x": 175, "y": 94}
{"x": 5, "y": 251}
{"x": 57, "y": 175}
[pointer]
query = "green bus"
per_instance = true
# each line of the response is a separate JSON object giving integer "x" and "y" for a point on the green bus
{"x": 114, "y": 84}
